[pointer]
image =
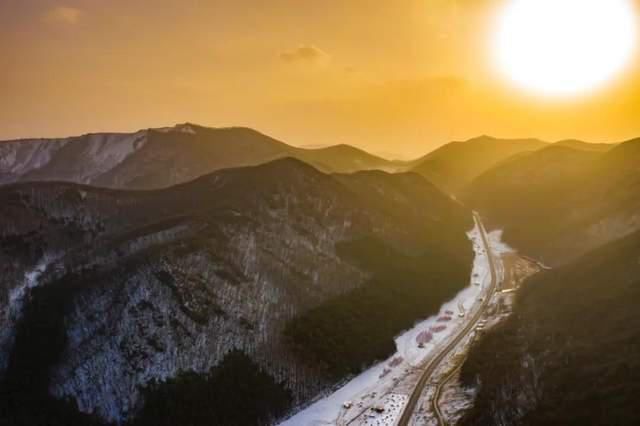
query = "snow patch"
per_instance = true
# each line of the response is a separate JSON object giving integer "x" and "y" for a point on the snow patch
{"x": 79, "y": 159}
{"x": 14, "y": 310}
{"x": 387, "y": 411}
{"x": 20, "y": 157}
{"x": 104, "y": 152}
{"x": 181, "y": 128}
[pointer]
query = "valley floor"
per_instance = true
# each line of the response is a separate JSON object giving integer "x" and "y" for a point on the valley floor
{"x": 453, "y": 399}
{"x": 378, "y": 396}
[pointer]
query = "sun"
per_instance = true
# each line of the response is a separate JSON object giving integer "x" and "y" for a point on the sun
{"x": 564, "y": 47}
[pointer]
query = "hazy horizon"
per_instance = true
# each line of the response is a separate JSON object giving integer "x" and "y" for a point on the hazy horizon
{"x": 402, "y": 78}
{"x": 388, "y": 155}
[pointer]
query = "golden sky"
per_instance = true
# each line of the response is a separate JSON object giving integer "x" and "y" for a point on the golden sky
{"x": 398, "y": 77}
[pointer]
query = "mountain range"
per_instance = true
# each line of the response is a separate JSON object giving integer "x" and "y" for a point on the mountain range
{"x": 569, "y": 353}
{"x": 453, "y": 166}
{"x": 159, "y": 158}
{"x": 111, "y": 296}
{"x": 192, "y": 275}
{"x": 559, "y": 202}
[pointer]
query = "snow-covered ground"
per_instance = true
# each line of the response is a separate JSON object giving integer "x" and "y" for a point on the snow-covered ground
{"x": 90, "y": 156}
{"x": 13, "y": 311}
{"x": 454, "y": 399}
{"x": 31, "y": 279}
{"x": 398, "y": 374}
{"x": 391, "y": 405}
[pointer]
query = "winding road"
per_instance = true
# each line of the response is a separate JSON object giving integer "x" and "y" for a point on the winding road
{"x": 433, "y": 365}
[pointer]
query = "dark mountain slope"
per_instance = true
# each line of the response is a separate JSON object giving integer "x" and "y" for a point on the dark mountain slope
{"x": 570, "y": 355}
{"x": 376, "y": 187}
{"x": 154, "y": 289}
{"x": 558, "y": 203}
{"x": 176, "y": 155}
{"x": 159, "y": 158}
{"x": 454, "y": 165}
{"x": 349, "y": 331}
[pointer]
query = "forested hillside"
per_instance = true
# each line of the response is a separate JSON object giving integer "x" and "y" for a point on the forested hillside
{"x": 112, "y": 298}
{"x": 558, "y": 203}
{"x": 570, "y": 354}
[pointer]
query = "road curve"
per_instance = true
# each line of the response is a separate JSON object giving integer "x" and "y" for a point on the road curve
{"x": 435, "y": 362}
{"x": 435, "y": 402}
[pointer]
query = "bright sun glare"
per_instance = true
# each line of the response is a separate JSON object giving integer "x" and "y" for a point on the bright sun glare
{"x": 564, "y": 47}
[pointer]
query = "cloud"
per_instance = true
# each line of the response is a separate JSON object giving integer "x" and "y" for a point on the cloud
{"x": 64, "y": 14}
{"x": 305, "y": 54}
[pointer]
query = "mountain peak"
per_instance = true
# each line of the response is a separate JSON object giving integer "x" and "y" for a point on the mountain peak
{"x": 489, "y": 139}
{"x": 189, "y": 128}
{"x": 483, "y": 138}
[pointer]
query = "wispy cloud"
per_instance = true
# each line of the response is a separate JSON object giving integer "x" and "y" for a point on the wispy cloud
{"x": 64, "y": 15}
{"x": 305, "y": 54}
